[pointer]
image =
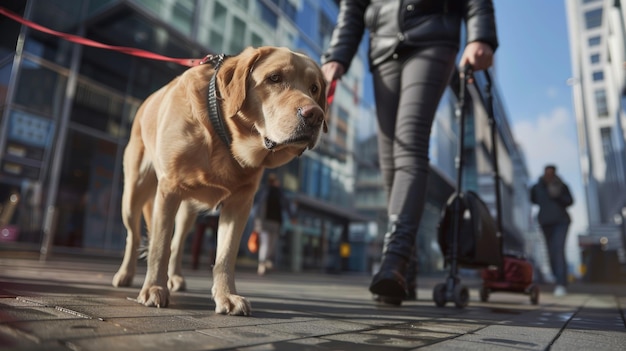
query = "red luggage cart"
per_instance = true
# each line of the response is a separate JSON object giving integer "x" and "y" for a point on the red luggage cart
{"x": 515, "y": 274}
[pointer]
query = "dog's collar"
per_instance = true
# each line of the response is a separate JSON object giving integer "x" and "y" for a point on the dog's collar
{"x": 215, "y": 113}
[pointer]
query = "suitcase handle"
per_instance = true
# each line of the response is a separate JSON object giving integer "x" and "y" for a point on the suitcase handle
{"x": 467, "y": 72}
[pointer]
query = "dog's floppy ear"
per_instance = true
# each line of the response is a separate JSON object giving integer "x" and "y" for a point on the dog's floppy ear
{"x": 233, "y": 76}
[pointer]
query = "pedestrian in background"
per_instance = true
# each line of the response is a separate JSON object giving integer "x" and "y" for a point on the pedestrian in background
{"x": 553, "y": 197}
{"x": 268, "y": 220}
{"x": 413, "y": 47}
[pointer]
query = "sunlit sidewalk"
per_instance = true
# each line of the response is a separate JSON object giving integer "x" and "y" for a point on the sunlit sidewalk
{"x": 69, "y": 304}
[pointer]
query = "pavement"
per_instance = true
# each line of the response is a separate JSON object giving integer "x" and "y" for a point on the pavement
{"x": 68, "y": 303}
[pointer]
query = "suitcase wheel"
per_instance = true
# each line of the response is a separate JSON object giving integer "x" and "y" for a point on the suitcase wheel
{"x": 461, "y": 296}
{"x": 534, "y": 294}
{"x": 439, "y": 295}
{"x": 484, "y": 294}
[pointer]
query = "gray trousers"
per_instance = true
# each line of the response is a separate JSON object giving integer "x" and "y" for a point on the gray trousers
{"x": 407, "y": 92}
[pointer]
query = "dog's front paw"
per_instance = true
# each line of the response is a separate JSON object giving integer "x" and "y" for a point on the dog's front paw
{"x": 123, "y": 278}
{"x": 233, "y": 305}
{"x": 176, "y": 283}
{"x": 154, "y": 296}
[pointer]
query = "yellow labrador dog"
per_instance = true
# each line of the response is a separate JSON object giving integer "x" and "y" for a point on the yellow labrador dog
{"x": 203, "y": 141}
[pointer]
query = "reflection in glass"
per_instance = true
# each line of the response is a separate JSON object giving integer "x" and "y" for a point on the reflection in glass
{"x": 40, "y": 89}
{"x": 85, "y": 192}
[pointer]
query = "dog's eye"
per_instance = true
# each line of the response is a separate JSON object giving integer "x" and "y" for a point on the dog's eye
{"x": 275, "y": 78}
{"x": 314, "y": 88}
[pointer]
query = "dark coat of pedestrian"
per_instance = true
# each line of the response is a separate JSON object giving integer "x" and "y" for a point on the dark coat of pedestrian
{"x": 553, "y": 197}
{"x": 270, "y": 204}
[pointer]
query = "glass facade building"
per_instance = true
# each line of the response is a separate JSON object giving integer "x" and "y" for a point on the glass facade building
{"x": 597, "y": 50}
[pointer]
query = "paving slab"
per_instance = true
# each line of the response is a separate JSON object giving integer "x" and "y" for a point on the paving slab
{"x": 185, "y": 340}
{"x": 71, "y": 305}
{"x": 250, "y": 335}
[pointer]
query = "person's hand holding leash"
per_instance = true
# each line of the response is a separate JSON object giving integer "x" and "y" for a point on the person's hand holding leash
{"x": 333, "y": 70}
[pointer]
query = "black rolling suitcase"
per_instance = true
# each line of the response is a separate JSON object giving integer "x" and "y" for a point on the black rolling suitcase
{"x": 468, "y": 235}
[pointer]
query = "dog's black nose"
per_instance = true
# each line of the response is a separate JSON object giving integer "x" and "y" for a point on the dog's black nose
{"x": 311, "y": 114}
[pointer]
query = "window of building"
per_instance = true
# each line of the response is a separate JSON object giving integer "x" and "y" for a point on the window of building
{"x": 267, "y": 15}
{"x": 40, "y": 89}
{"x": 219, "y": 16}
{"x": 8, "y": 40}
{"x": 290, "y": 10}
{"x": 178, "y": 13}
{"x": 593, "y": 18}
{"x": 589, "y": 1}
{"x": 182, "y": 15}
{"x": 598, "y": 76}
{"x": 99, "y": 108}
{"x": 594, "y": 41}
{"x": 326, "y": 26}
{"x": 343, "y": 114}
{"x": 325, "y": 182}
{"x": 237, "y": 40}
{"x": 595, "y": 58}
{"x": 607, "y": 142}
{"x": 610, "y": 156}
{"x": 85, "y": 193}
{"x": 242, "y": 3}
{"x": 256, "y": 40}
{"x": 49, "y": 47}
{"x": 311, "y": 182}
{"x": 601, "y": 105}
{"x": 217, "y": 41}
{"x": 5, "y": 75}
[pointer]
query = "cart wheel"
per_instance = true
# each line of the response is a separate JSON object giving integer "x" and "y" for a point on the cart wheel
{"x": 461, "y": 296}
{"x": 484, "y": 294}
{"x": 534, "y": 294}
{"x": 439, "y": 295}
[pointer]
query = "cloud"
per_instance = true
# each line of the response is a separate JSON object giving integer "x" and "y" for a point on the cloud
{"x": 551, "y": 139}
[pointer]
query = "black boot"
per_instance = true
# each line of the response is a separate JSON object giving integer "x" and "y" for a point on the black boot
{"x": 411, "y": 279}
{"x": 390, "y": 283}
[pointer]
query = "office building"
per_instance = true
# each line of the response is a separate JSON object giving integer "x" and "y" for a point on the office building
{"x": 597, "y": 45}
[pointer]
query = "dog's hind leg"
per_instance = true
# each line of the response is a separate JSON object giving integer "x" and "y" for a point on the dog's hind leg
{"x": 139, "y": 187}
{"x": 185, "y": 218}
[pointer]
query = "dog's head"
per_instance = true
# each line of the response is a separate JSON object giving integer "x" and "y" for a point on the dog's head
{"x": 274, "y": 102}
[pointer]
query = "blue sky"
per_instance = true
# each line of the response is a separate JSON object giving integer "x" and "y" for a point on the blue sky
{"x": 532, "y": 66}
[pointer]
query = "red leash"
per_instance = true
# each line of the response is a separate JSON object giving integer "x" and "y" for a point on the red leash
{"x": 89, "y": 42}
{"x": 189, "y": 62}
{"x": 330, "y": 96}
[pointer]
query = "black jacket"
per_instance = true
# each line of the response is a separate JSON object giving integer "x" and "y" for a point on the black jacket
{"x": 552, "y": 208}
{"x": 269, "y": 204}
{"x": 394, "y": 24}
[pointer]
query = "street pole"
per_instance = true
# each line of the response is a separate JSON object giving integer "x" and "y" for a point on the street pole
{"x": 51, "y": 210}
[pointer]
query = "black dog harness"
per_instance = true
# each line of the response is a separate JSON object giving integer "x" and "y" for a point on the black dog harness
{"x": 215, "y": 113}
